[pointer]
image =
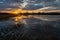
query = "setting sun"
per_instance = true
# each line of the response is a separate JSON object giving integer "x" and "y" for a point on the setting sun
{"x": 15, "y": 12}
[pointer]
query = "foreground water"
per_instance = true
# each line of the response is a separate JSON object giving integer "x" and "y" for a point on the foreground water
{"x": 34, "y": 27}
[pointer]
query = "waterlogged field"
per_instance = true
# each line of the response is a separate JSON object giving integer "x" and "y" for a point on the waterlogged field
{"x": 33, "y": 27}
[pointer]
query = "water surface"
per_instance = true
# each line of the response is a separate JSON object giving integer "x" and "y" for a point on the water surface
{"x": 41, "y": 27}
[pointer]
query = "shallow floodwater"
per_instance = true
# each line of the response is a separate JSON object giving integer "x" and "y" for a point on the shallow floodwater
{"x": 35, "y": 27}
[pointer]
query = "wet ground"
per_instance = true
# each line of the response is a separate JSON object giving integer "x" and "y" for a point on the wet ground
{"x": 37, "y": 27}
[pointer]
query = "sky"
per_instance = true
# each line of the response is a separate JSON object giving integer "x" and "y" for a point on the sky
{"x": 28, "y": 4}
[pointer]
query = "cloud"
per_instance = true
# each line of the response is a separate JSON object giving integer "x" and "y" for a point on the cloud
{"x": 27, "y": 4}
{"x": 37, "y": 4}
{"x": 8, "y": 4}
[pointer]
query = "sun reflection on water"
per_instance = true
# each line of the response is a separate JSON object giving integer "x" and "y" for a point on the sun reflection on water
{"x": 17, "y": 19}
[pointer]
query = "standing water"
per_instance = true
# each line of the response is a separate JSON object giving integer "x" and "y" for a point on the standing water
{"x": 40, "y": 27}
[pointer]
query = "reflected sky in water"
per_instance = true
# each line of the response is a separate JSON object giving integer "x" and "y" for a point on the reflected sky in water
{"x": 36, "y": 25}
{"x": 31, "y": 20}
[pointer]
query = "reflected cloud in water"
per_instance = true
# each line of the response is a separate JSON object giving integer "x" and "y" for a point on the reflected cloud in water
{"x": 29, "y": 27}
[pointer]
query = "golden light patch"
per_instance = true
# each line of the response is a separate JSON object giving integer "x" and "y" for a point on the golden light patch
{"x": 15, "y": 12}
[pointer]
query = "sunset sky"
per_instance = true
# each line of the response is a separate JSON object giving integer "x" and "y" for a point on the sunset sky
{"x": 29, "y": 4}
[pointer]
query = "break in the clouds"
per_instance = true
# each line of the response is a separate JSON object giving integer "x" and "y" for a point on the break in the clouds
{"x": 28, "y": 4}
